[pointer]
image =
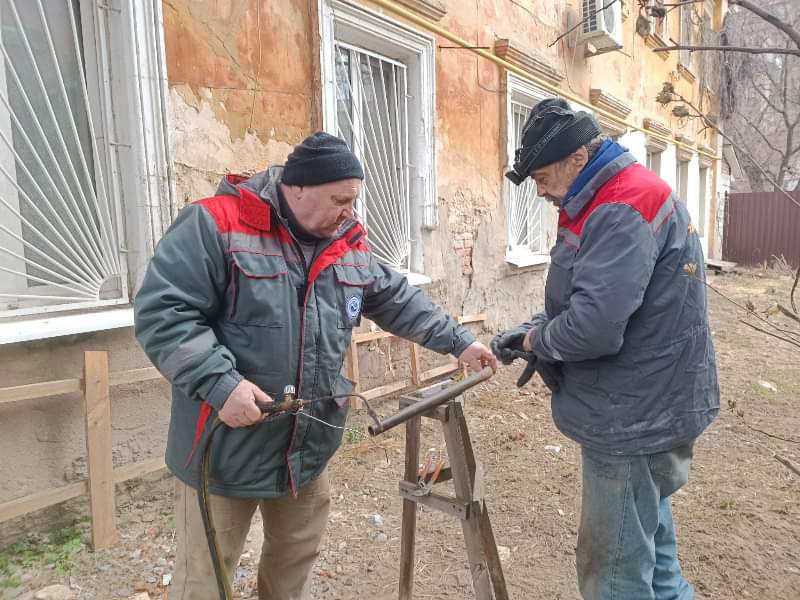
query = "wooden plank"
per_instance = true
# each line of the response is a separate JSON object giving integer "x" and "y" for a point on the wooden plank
{"x": 361, "y": 338}
{"x": 462, "y": 462}
{"x": 492, "y": 555}
{"x": 138, "y": 469}
{"x": 438, "y": 372}
{"x": 722, "y": 266}
{"x": 445, "y": 504}
{"x": 472, "y": 318}
{"x": 385, "y": 390}
{"x": 97, "y": 410}
{"x": 351, "y": 366}
{"x": 40, "y": 390}
{"x": 439, "y": 413}
{"x": 40, "y": 500}
{"x": 415, "y": 366}
{"x": 135, "y": 376}
{"x": 408, "y": 530}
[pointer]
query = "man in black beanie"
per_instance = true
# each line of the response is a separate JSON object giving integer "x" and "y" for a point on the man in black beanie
{"x": 254, "y": 289}
{"x": 624, "y": 345}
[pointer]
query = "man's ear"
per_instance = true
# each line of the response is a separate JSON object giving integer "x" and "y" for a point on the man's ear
{"x": 580, "y": 157}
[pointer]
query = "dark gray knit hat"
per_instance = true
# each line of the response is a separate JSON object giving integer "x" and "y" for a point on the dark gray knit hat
{"x": 321, "y": 158}
{"x": 552, "y": 131}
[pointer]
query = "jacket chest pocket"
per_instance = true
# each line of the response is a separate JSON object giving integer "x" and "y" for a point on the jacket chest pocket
{"x": 350, "y": 283}
{"x": 559, "y": 279}
{"x": 259, "y": 290}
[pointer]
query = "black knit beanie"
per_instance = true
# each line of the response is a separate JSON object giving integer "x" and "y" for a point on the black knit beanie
{"x": 552, "y": 132}
{"x": 321, "y": 158}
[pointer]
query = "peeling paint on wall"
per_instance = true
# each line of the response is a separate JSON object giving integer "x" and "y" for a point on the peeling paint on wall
{"x": 204, "y": 148}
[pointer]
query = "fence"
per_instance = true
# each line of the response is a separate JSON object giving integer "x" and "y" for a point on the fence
{"x": 762, "y": 225}
{"x": 95, "y": 388}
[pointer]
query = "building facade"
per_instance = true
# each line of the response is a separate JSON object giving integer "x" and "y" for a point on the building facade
{"x": 113, "y": 117}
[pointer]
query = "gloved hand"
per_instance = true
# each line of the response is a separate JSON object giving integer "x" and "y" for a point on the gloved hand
{"x": 506, "y": 343}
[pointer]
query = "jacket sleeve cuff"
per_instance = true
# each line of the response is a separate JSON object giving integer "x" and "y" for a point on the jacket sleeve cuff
{"x": 463, "y": 340}
{"x": 222, "y": 388}
{"x": 541, "y": 344}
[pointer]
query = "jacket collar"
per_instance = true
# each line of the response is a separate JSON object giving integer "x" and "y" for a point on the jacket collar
{"x": 579, "y": 201}
{"x": 260, "y": 189}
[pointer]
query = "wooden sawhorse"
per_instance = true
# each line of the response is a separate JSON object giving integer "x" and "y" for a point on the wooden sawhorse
{"x": 468, "y": 505}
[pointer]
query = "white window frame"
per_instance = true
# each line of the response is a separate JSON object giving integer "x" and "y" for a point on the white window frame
{"x": 366, "y": 29}
{"x": 703, "y": 194}
{"x": 524, "y": 92}
{"x": 123, "y": 53}
{"x": 654, "y": 160}
{"x": 682, "y": 180}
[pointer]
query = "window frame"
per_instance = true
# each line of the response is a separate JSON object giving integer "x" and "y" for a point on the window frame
{"x": 125, "y": 73}
{"x": 520, "y": 91}
{"x": 358, "y": 26}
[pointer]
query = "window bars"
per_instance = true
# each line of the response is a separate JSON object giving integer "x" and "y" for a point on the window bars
{"x": 372, "y": 117}
{"x": 526, "y": 210}
{"x": 60, "y": 243}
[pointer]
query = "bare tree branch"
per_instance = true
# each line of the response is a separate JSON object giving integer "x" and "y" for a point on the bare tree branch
{"x": 786, "y": 28}
{"x": 742, "y": 49}
{"x": 794, "y": 289}
{"x": 769, "y": 333}
{"x": 761, "y": 134}
{"x": 739, "y": 147}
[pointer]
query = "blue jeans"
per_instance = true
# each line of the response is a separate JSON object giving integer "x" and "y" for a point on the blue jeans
{"x": 626, "y": 542}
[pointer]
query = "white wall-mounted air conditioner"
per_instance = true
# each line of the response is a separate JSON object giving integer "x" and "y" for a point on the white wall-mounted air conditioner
{"x": 601, "y": 30}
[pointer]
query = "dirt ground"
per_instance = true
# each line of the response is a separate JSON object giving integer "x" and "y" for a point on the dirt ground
{"x": 738, "y": 519}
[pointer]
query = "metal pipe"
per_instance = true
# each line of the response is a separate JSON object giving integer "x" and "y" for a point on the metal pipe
{"x": 392, "y": 6}
{"x": 426, "y": 404}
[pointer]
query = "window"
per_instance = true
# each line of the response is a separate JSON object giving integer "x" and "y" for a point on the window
{"x": 379, "y": 98}
{"x": 654, "y": 161}
{"x": 76, "y": 81}
{"x": 682, "y": 180}
{"x": 662, "y": 25}
{"x": 530, "y": 217}
{"x": 703, "y": 201}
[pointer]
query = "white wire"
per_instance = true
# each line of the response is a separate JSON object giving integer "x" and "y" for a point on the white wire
{"x": 331, "y": 425}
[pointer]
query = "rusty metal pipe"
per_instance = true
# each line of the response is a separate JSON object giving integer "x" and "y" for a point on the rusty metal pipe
{"x": 448, "y": 393}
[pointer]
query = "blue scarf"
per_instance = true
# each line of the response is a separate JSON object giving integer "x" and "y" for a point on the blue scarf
{"x": 607, "y": 152}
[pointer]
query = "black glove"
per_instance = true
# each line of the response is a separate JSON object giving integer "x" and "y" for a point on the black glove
{"x": 505, "y": 344}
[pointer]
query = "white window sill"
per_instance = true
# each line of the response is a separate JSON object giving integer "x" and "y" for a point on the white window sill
{"x": 417, "y": 279}
{"x": 49, "y": 327}
{"x": 528, "y": 259}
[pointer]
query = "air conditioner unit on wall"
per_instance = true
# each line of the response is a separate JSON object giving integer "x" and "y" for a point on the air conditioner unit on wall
{"x": 601, "y": 30}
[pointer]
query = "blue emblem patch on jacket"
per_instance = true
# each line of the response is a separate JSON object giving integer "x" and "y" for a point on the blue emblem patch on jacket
{"x": 353, "y": 308}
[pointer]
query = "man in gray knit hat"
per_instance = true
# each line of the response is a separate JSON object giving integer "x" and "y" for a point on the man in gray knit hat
{"x": 255, "y": 288}
{"x": 624, "y": 345}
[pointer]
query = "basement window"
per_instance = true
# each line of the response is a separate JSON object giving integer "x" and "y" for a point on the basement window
{"x": 530, "y": 217}
{"x": 378, "y": 96}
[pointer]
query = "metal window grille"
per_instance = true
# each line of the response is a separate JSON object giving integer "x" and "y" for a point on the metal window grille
{"x": 372, "y": 117}
{"x": 60, "y": 243}
{"x": 526, "y": 210}
{"x": 589, "y": 15}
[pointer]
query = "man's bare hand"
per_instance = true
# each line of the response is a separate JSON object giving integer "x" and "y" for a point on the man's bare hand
{"x": 527, "y": 343}
{"x": 477, "y": 356}
{"x": 240, "y": 409}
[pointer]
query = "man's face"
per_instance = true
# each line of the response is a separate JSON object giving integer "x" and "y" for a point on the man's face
{"x": 321, "y": 209}
{"x": 553, "y": 181}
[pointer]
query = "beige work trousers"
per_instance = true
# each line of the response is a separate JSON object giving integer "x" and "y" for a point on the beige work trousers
{"x": 293, "y": 528}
